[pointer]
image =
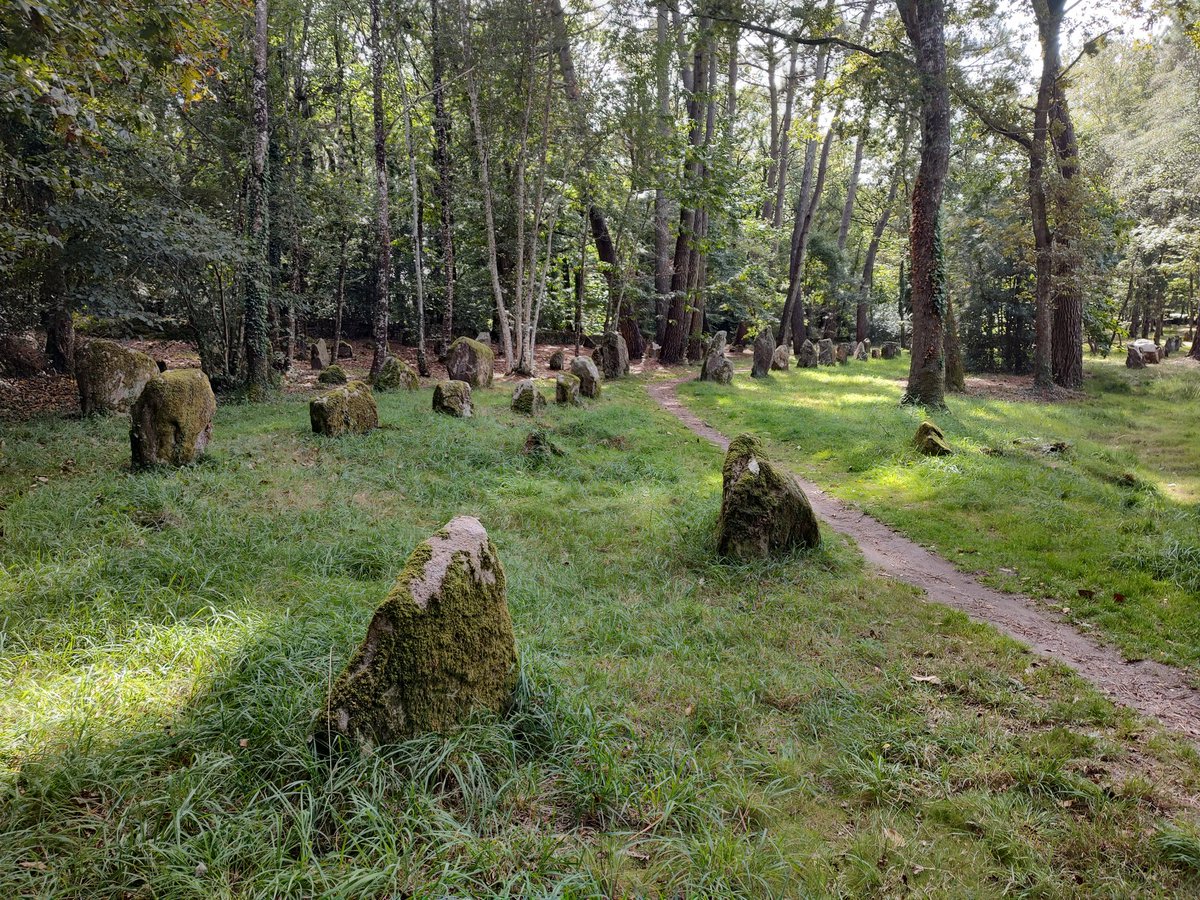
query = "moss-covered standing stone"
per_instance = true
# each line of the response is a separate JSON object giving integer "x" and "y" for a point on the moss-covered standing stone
{"x": 589, "y": 376}
{"x": 438, "y": 649}
{"x": 349, "y": 409}
{"x": 453, "y": 398}
{"x": 825, "y": 352}
{"x": 171, "y": 422}
{"x": 807, "y": 356}
{"x": 930, "y": 440}
{"x": 781, "y": 358}
{"x": 566, "y": 389}
{"x": 396, "y": 374}
{"x": 110, "y": 377}
{"x": 763, "y": 509}
{"x": 715, "y": 366}
{"x": 557, "y": 360}
{"x": 764, "y": 353}
{"x": 472, "y": 362}
{"x": 335, "y": 374}
{"x": 611, "y": 355}
{"x": 527, "y": 399}
{"x": 320, "y": 355}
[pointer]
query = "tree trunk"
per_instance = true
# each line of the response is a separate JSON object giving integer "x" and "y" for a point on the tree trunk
{"x": 383, "y": 229}
{"x": 956, "y": 380}
{"x": 924, "y": 22}
{"x": 418, "y": 251}
{"x": 257, "y": 279}
{"x": 445, "y": 184}
{"x": 768, "y": 207}
{"x": 862, "y": 311}
{"x": 662, "y": 228}
{"x": 784, "y": 139}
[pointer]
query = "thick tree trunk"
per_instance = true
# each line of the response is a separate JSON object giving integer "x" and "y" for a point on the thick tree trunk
{"x": 924, "y": 22}
{"x": 1067, "y": 345}
{"x": 257, "y": 280}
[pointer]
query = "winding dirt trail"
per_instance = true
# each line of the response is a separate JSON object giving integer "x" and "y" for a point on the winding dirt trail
{"x": 1151, "y": 688}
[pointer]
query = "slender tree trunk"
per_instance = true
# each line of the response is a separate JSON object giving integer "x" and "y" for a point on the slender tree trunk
{"x": 852, "y": 185}
{"x": 862, "y": 329}
{"x": 418, "y": 251}
{"x": 445, "y": 185}
{"x": 924, "y": 22}
{"x": 789, "y": 93}
{"x": 956, "y": 380}
{"x": 662, "y": 229}
{"x": 1067, "y": 345}
{"x": 768, "y": 207}
{"x": 383, "y": 229}
{"x": 257, "y": 279}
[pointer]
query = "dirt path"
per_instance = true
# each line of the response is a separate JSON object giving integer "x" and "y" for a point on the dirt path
{"x": 1151, "y": 688}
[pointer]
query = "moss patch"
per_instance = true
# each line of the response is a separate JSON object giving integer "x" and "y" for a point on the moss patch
{"x": 347, "y": 409}
{"x": 763, "y": 509}
{"x": 171, "y": 422}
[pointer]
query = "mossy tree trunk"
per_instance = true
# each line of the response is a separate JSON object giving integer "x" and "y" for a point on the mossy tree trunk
{"x": 257, "y": 281}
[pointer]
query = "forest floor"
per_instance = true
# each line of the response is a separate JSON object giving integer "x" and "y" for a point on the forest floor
{"x": 684, "y": 727}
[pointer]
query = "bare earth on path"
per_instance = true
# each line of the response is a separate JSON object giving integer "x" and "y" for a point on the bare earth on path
{"x": 1151, "y": 688}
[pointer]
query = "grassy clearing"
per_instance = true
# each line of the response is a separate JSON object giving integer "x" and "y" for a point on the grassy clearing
{"x": 684, "y": 728}
{"x": 1116, "y": 515}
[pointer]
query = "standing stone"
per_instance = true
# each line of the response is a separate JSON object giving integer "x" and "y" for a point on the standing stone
{"x": 438, "y": 649}
{"x": 589, "y": 376}
{"x": 1133, "y": 358}
{"x": 825, "y": 352}
{"x": 566, "y": 390}
{"x": 781, "y": 358}
{"x": 110, "y": 377}
{"x": 841, "y": 355}
{"x": 763, "y": 509}
{"x": 874, "y": 353}
{"x": 764, "y": 353}
{"x": 345, "y": 351}
{"x": 611, "y": 356}
{"x": 472, "y": 362}
{"x": 715, "y": 366}
{"x": 453, "y": 398}
{"x": 20, "y": 356}
{"x": 349, "y": 409}
{"x": 395, "y": 374}
{"x": 335, "y": 374}
{"x": 320, "y": 355}
{"x": 557, "y": 360}
{"x": 527, "y": 399}
{"x": 171, "y": 422}
{"x": 930, "y": 441}
{"x": 890, "y": 349}
{"x": 860, "y": 352}
{"x": 807, "y": 358}
{"x": 1150, "y": 351}
{"x": 484, "y": 338}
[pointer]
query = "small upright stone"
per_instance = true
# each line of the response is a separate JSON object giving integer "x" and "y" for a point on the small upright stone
{"x": 808, "y": 357}
{"x": 930, "y": 441}
{"x": 348, "y": 409}
{"x": 453, "y": 398}
{"x": 345, "y": 351}
{"x": 890, "y": 349}
{"x": 438, "y": 649}
{"x": 1133, "y": 358}
{"x": 484, "y": 338}
{"x": 472, "y": 362}
{"x": 589, "y": 376}
{"x": 874, "y": 353}
{"x": 396, "y": 374}
{"x": 860, "y": 352}
{"x": 557, "y": 360}
{"x": 825, "y": 352}
{"x": 109, "y": 377}
{"x": 1151, "y": 352}
{"x": 781, "y": 359}
{"x": 527, "y": 399}
{"x": 566, "y": 389}
{"x": 171, "y": 422}
{"x": 764, "y": 353}
{"x": 334, "y": 374}
{"x": 319, "y": 355}
{"x": 841, "y": 355}
{"x": 763, "y": 509}
{"x": 611, "y": 356}
{"x": 715, "y": 366}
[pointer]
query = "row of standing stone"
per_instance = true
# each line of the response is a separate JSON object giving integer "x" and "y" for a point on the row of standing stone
{"x": 768, "y": 357}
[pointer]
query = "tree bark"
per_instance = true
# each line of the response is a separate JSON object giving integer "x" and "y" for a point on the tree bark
{"x": 257, "y": 280}
{"x": 662, "y": 229}
{"x": 383, "y": 230}
{"x": 445, "y": 184}
{"x": 862, "y": 329}
{"x": 785, "y": 139}
{"x": 924, "y": 22}
{"x": 1067, "y": 344}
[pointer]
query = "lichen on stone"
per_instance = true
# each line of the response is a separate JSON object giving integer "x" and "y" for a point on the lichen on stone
{"x": 453, "y": 398}
{"x": 763, "y": 510}
{"x": 171, "y": 422}
{"x": 110, "y": 377}
{"x": 439, "y": 648}
{"x": 334, "y": 374}
{"x": 472, "y": 362}
{"x": 394, "y": 375}
{"x": 930, "y": 440}
{"x": 349, "y": 409}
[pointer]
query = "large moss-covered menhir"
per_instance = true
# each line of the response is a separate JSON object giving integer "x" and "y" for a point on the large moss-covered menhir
{"x": 438, "y": 649}
{"x": 171, "y": 422}
{"x": 763, "y": 509}
{"x": 110, "y": 377}
{"x": 472, "y": 362}
{"x": 349, "y": 409}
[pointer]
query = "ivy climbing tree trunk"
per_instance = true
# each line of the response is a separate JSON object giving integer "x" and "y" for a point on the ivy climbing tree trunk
{"x": 924, "y": 22}
{"x": 257, "y": 280}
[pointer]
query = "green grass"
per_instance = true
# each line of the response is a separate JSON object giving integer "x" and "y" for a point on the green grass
{"x": 1116, "y": 515}
{"x": 683, "y": 727}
